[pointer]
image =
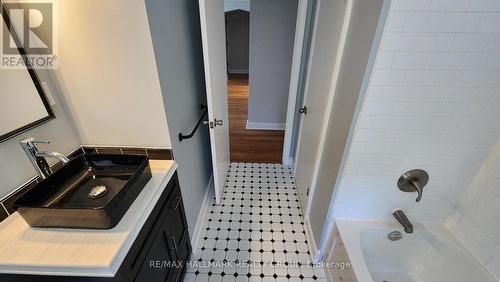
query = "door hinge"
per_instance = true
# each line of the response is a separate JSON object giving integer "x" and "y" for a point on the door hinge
{"x": 303, "y": 110}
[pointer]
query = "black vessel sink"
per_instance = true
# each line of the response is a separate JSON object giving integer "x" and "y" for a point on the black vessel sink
{"x": 91, "y": 191}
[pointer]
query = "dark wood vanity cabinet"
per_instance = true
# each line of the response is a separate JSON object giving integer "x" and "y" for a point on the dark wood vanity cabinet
{"x": 160, "y": 251}
{"x": 166, "y": 257}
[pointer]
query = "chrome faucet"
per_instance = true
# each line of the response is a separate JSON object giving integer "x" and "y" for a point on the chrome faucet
{"x": 37, "y": 158}
{"x": 403, "y": 220}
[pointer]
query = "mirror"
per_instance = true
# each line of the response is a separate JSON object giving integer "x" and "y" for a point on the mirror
{"x": 23, "y": 104}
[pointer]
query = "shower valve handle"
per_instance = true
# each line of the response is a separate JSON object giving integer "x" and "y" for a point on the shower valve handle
{"x": 414, "y": 181}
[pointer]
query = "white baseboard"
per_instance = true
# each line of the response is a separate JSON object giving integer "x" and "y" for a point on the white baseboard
{"x": 203, "y": 211}
{"x": 329, "y": 275}
{"x": 265, "y": 125}
{"x": 237, "y": 71}
{"x": 329, "y": 271}
{"x": 315, "y": 253}
{"x": 289, "y": 161}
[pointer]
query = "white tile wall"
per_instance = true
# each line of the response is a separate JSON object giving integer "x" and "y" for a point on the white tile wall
{"x": 476, "y": 220}
{"x": 433, "y": 103}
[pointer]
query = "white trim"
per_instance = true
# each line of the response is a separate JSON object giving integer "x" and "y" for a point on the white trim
{"x": 329, "y": 270}
{"x": 333, "y": 85}
{"x": 265, "y": 125}
{"x": 329, "y": 275}
{"x": 294, "y": 79}
{"x": 289, "y": 161}
{"x": 306, "y": 83}
{"x": 329, "y": 229}
{"x": 237, "y": 71}
{"x": 292, "y": 161}
{"x": 203, "y": 212}
{"x": 311, "y": 243}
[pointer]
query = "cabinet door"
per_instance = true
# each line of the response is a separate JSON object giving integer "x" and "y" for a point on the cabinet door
{"x": 175, "y": 224}
{"x": 157, "y": 264}
{"x": 166, "y": 258}
{"x": 140, "y": 249}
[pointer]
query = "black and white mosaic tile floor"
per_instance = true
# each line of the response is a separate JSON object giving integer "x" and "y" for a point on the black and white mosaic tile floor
{"x": 257, "y": 232}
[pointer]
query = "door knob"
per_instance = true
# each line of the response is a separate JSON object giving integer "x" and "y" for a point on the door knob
{"x": 303, "y": 110}
{"x": 218, "y": 122}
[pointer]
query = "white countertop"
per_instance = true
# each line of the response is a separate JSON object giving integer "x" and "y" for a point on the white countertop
{"x": 79, "y": 252}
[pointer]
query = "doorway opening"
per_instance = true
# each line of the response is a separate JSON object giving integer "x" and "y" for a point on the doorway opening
{"x": 249, "y": 145}
{"x": 259, "y": 53}
{"x": 262, "y": 97}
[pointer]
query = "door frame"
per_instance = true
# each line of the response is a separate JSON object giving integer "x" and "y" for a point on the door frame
{"x": 322, "y": 130}
{"x": 328, "y": 234}
{"x": 329, "y": 105}
{"x": 300, "y": 26}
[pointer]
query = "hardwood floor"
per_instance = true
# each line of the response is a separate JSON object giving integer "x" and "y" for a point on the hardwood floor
{"x": 255, "y": 146}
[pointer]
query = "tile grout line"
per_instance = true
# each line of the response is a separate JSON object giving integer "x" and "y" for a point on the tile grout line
{"x": 255, "y": 237}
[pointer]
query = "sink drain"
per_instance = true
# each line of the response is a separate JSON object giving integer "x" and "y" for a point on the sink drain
{"x": 395, "y": 236}
{"x": 98, "y": 192}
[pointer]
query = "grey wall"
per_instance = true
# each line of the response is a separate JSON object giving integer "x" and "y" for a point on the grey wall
{"x": 237, "y": 28}
{"x": 15, "y": 168}
{"x": 272, "y": 31}
{"x": 175, "y": 30}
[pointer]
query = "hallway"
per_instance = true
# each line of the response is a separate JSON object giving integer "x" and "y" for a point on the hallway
{"x": 257, "y": 233}
{"x": 259, "y": 146}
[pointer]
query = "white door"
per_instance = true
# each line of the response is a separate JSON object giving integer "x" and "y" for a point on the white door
{"x": 214, "y": 56}
{"x": 321, "y": 74}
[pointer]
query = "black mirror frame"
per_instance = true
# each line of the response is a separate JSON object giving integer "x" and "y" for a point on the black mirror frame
{"x": 34, "y": 78}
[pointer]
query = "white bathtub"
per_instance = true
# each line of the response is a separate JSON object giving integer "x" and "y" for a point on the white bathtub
{"x": 430, "y": 254}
